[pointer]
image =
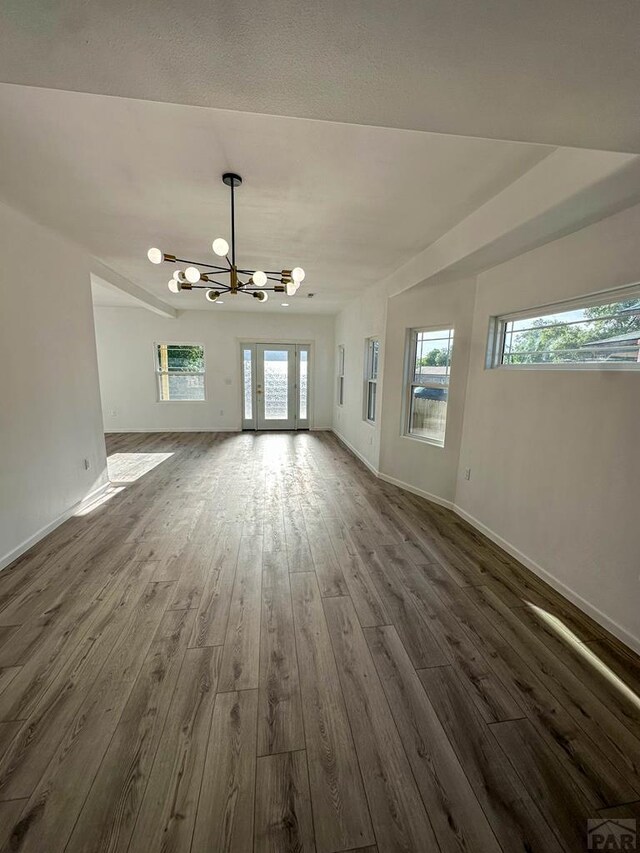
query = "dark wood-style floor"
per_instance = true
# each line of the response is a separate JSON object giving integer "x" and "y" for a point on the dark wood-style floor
{"x": 255, "y": 645}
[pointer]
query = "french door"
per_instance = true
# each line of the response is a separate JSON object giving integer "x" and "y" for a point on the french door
{"x": 275, "y": 392}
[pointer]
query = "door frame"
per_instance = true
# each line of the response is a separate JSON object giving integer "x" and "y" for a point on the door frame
{"x": 244, "y": 343}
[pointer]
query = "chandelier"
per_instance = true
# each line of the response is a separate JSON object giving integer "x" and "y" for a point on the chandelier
{"x": 200, "y": 276}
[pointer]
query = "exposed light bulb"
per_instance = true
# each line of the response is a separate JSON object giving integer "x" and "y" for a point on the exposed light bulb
{"x": 177, "y": 274}
{"x": 220, "y": 246}
{"x": 212, "y": 295}
{"x": 297, "y": 274}
{"x": 290, "y": 288}
{"x": 174, "y": 286}
{"x": 155, "y": 256}
{"x": 284, "y": 304}
{"x": 192, "y": 275}
{"x": 259, "y": 278}
{"x": 261, "y": 295}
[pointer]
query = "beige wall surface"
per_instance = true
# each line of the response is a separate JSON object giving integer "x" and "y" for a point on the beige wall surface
{"x": 361, "y": 319}
{"x": 50, "y": 419}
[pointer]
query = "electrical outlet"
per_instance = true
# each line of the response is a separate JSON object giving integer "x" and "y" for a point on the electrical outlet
{"x": 113, "y": 413}
{"x": 467, "y": 473}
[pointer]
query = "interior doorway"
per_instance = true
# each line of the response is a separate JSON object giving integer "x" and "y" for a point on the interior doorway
{"x": 275, "y": 386}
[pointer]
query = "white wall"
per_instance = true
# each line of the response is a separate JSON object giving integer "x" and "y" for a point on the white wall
{"x": 363, "y": 318}
{"x": 126, "y": 337}
{"x": 50, "y": 418}
{"x": 426, "y": 468}
{"x": 555, "y": 465}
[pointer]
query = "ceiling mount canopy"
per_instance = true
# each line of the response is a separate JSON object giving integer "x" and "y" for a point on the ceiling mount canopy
{"x": 198, "y": 275}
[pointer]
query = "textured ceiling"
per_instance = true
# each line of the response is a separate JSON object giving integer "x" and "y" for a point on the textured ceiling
{"x": 562, "y": 72}
{"x": 347, "y": 202}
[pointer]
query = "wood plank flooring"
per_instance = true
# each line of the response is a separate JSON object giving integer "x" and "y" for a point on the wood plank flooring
{"x": 251, "y": 644}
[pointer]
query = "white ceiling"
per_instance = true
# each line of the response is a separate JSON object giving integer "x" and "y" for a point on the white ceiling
{"x": 347, "y": 202}
{"x": 562, "y": 72}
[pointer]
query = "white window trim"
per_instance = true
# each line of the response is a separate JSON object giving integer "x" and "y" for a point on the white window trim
{"x": 411, "y": 341}
{"x": 159, "y": 373}
{"x": 340, "y": 388}
{"x": 497, "y": 325}
{"x": 369, "y": 381}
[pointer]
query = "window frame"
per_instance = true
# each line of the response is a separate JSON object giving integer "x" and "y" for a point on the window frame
{"x": 340, "y": 377}
{"x": 160, "y": 373}
{"x": 411, "y": 346}
{"x": 498, "y": 324}
{"x": 370, "y": 380}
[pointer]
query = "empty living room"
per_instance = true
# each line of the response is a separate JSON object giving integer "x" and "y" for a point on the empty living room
{"x": 319, "y": 419}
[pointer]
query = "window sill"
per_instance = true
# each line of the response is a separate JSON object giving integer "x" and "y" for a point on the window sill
{"x": 181, "y": 401}
{"x": 423, "y": 440}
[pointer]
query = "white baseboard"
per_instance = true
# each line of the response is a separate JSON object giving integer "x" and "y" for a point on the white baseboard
{"x": 394, "y": 482}
{"x": 356, "y": 453}
{"x": 416, "y": 491}
{"x": 182, "y": 429}
{"x": 16, "y": 552}
{"x": 586, "y": 606}
{"x": 581, "y": 603}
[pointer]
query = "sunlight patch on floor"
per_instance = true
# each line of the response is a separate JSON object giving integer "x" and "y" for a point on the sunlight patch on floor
{"x": 129, "y": 467}
{"x": 558, "y": 626}
{"x": 106, "y": 496}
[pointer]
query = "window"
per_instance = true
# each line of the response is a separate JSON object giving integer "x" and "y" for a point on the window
{"x": 180, "y": 372}
{"x": 427, "y": 383}
{"x": 598, "y": 332}
{"x": 340, "y": 375}
{"x": 372, "y": 353}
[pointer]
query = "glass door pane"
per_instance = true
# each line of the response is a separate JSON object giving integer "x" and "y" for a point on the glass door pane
{"x": 276, "y": 384}
{"x": 303, "y": 384}
{"x": 247, "y": 365}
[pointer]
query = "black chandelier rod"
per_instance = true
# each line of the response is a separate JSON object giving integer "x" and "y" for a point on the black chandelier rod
{"x": 233, "y": 225}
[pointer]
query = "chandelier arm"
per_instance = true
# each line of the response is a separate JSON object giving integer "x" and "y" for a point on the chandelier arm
{"x": 207, "y": 286}
{"x": 200, "y": 264}
{"x": 266, "y": 272}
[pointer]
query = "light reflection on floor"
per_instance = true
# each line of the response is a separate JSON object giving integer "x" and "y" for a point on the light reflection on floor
{"x": 558, "y": 626}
